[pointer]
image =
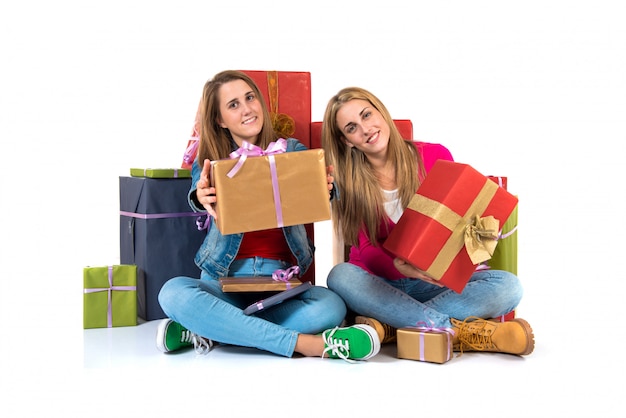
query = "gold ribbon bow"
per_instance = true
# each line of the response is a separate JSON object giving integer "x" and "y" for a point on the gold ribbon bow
{"x": 283, "y": 124}
{"x": 481, "y": 238}
{"x": 460, "y": 227}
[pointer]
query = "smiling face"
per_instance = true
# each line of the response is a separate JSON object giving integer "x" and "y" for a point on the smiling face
{"x": 363, "y": 127}
{"x": 241, "y": 111}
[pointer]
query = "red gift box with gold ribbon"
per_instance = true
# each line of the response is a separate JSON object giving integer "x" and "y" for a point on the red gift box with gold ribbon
{"x": 451, "y": 224}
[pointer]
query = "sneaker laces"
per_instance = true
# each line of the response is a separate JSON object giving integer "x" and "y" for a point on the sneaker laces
{"x": 200, "y": 345}
{"x": 336, "y": 346}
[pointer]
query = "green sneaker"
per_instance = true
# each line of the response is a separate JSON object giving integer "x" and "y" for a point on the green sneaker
{"x": 358, "y": 342}
{"x": 171, "y": 336}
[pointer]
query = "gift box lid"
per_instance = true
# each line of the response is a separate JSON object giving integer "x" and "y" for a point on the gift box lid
{"x": 160, "y": 173}
{"x": 145, "y": 195}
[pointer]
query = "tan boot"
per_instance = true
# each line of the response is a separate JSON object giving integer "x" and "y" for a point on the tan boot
{"x": 386, "y": 333}
{"x": 477, "y": 334}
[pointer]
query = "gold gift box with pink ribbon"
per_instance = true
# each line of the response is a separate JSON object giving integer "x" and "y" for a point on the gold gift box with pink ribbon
{"x": 275, "y": 189}
{"x": 422, "y": 344}
{"x": 256, "y": 284}
{"x": 452, "y": 223}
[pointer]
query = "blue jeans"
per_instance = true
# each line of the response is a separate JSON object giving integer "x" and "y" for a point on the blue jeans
{"x": 202, "y": 307}
{"x": 413, "y": 302}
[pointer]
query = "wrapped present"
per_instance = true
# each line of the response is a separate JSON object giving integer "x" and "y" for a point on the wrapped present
{"x": 279, "y": 281}
{"x": 158, "y": 234}
{"x": 509, "y": 316}
{"x": 256, "y": 284}
{"x": 425, "y": 344}
{"x": 500, "y": 181}
{"x": 190, "y": 152}
{"x": 160, "y": 173}
{"x": 451, "y": 224}
{"x": 505, "y": 255}
{"x": 273, "y": 190}
{"x": 288, "y": 97}
{"x": 110, "y": 296}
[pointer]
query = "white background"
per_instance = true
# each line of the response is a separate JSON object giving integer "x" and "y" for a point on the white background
{"x": 532, "y": 90}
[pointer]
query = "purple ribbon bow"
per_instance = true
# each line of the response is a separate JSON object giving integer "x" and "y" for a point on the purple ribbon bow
{"x": 286, "y": 275}
{"x": 192, "y": 149}
{"x": 249, "y": 150}
{"x": 424, "y": 327}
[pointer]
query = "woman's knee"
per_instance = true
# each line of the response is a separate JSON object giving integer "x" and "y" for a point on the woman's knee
{"x": 512, "y": 286}
{"x": 172, "y": 290}
{"x": 339, "y": 274}
{"x": 329, "y": 305}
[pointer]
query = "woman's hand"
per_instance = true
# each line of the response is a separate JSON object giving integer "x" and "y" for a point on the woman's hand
{"x": 204, "y": 193}
{"x": 408, "y": 270}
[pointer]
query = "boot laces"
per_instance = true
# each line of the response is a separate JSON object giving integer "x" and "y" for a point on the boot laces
{"x": 475, "y": 335}
{"x": 337, "y": 346}
{"x": 390, "y": 333}
{"x": 200, "y": 345}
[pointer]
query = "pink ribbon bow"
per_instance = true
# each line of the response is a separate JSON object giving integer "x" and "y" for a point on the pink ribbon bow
{"x": 423, "y": 327}
{"x": 191, "y": 151}
{"x": 248, "y": 150}
{"x": 286, "y": 275}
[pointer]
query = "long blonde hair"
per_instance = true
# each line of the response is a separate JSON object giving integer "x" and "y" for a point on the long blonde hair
{"x": 215, "y": 141}
{"x": 360, "y": 202}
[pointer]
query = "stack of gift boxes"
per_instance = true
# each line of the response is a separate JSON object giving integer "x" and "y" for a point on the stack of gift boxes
{"x": 158, "y": 239}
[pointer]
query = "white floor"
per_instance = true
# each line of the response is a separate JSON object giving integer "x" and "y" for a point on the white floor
{"x": 125, "y": 366}
{"x": 50, "y": 365}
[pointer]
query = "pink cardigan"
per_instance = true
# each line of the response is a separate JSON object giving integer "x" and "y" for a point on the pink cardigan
{"x": 377, "y": 260}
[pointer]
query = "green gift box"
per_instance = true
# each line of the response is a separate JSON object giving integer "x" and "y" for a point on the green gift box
{"x": 505, "y": 255}
{"x": 110, "y": 296}
{"x": 161, "y": 173}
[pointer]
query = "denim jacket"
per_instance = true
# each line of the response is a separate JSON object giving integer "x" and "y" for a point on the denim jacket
{"x": 218, "y": 251}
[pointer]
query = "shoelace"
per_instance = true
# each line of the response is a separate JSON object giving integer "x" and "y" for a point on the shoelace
{"x": 200, "y": 345}
{"x": 337, "y": 346}
{"x": 474, "y": 335}
{"x": 390, "y": 333}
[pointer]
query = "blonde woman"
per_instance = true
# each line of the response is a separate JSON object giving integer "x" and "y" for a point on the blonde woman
{"x": 376, "y": 173}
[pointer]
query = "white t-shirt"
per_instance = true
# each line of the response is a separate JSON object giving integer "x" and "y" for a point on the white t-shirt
{"x": 392, "y": 204}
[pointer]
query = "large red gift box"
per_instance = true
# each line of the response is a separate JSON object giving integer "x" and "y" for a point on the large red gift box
{"x": 451, "y": 224}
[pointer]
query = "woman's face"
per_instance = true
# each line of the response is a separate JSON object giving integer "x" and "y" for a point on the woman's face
{"x": 363, "y": 126}
{"x": 241, "y": 111}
